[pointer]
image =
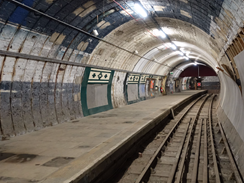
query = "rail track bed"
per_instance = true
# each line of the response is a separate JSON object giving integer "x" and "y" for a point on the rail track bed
{"x": 192, "y": 147}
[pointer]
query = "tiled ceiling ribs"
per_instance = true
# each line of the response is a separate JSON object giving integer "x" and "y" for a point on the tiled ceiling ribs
{"x": 103, "y": 16}
{"x": 197, "y": 12}
{"x": 208, "y": 25}
{"x": 49, "y": 47}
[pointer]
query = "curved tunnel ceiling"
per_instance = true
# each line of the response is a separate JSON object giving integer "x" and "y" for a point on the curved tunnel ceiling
{"x": 133, "y": 37}
{"x": 45, "y": 46}
{"x": 201, "y": 27}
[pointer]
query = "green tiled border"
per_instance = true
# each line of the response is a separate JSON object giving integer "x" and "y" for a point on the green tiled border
{"x": 86, "y": 111}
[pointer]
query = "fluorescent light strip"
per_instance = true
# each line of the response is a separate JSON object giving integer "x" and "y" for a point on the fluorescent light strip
{"x": 162, "y": 35}
{"x": 140, "y": 10}
{"x": 173, "y": 46}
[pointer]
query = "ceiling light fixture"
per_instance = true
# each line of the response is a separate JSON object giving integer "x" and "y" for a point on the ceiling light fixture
{"x": 173, "y": 46}
{"x": 162, "y": 35}
{"x": 95, "y": 33}
{"x": 140, "y": 10}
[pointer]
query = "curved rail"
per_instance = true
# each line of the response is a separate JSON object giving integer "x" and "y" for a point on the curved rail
{"x": 197, "y": 154}
{"x": 184, "y": 154}
{"x": 158, "y": 152}
{"x": 205, "y": 155}
{"x": 186, "y": 144}
{"x": 237, "y": 175}
{"x": 216, "y": 169}
{"x": 236, "y": 172}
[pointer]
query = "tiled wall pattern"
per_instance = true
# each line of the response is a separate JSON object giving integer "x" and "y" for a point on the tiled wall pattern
{"x": 35, "y": 94}
{"x": 28, "y": 105}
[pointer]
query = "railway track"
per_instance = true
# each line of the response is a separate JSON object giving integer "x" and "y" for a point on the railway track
{"x": 191, "y": 148}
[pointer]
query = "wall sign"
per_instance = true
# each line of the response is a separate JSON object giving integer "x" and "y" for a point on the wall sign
{"x": 133, "y": 78}
{"x": 96, "y": 83}
{"x": 99, "y": 76}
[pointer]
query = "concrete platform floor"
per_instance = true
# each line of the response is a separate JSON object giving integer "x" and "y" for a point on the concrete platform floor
{"x": 63, "y": 152}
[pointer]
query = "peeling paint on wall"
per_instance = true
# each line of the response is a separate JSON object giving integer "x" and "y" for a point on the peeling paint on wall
{"x": 118, "y": 95}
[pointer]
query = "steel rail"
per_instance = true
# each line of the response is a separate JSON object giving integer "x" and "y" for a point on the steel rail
{"x": 157, "y": 153}
{"x": 196, "y": 160}
{"x": 216, "y": 169}
{"x": 238, "y": 177}
{"x": 205, "y": 158}
{"x": 172, "y": 173}
{"x": 185, "y": 151}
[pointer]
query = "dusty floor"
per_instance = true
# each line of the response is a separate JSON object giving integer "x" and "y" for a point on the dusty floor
{"x": 60, "y": 153}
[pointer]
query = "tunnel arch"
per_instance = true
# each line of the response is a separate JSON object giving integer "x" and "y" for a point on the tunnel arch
{"x": 48, "y": 51}
{"x": 55, "y": 69}
{"x": 145, "y": 37}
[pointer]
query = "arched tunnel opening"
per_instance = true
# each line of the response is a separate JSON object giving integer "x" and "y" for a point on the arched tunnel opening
{"x": 70, "y": 62}
{"x": 200, "y": 76}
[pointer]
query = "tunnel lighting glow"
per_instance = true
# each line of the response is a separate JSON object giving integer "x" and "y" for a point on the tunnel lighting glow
{"x": 157, "y": 32}
{"x": 186, "y": 58}
{"x": 168, "y": 31}
{"x": 182, "y": 50}
{"x": 140, "y": 10}
{"x": 125, "y": 12}
{"x": 161, "y": 34}
{"x": 188, "y": 53}
{"x": 173, "y": 46}
{"x": 95, "y": 32}
{"x": 181, "y": 53}
{"x": 195, "y": 63}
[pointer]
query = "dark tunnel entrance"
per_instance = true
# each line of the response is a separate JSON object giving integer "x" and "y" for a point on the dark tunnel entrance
{"x": 202, "y": 78}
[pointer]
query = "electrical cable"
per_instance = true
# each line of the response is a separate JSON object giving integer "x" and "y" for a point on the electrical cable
{"x": 80, "y": 30}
